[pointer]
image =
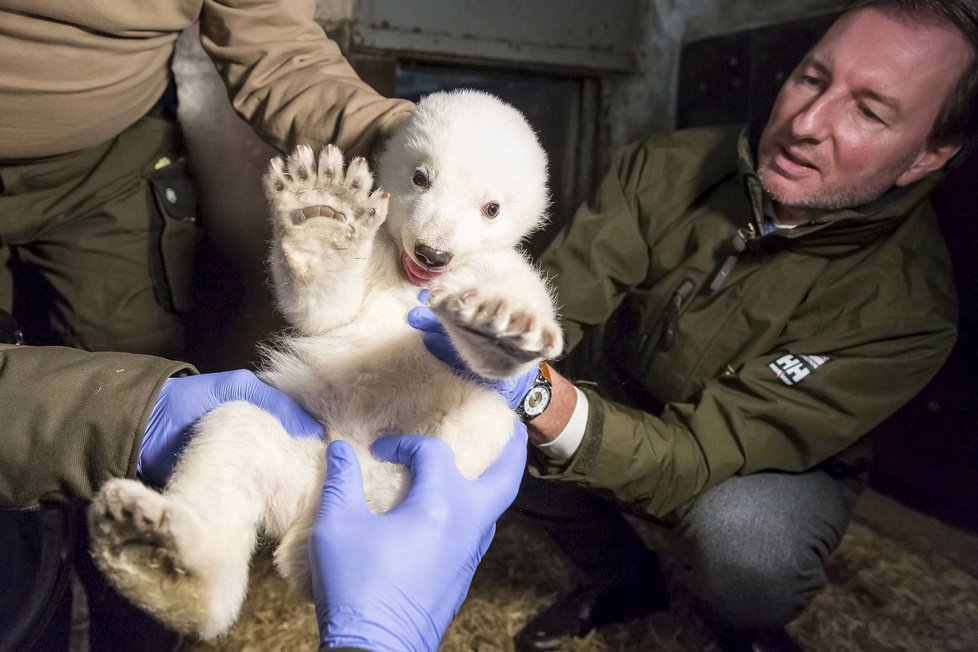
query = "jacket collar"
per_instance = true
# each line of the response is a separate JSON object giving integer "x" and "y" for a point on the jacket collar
{"x": 832, "y": 233}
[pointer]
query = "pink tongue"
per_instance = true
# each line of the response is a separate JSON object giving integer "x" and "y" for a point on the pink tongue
{"x": 415, "y": 273}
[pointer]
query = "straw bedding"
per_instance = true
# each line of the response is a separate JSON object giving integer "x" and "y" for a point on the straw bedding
{"x": 881, "y": 596}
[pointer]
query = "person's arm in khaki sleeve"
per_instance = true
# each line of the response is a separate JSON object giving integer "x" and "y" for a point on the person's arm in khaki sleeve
{"x": 73, "y": 419}
{"x": 289, "y": 81}
{"x": 738, "y": 424}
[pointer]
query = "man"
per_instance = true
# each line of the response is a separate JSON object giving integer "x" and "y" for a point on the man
{"x": 758, "y": 305}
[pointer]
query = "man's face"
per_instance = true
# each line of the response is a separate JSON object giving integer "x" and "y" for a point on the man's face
{"x": 853, "y": 118}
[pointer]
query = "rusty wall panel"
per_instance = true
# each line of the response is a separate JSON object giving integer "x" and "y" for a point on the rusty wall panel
{"x": 232, "y": 299}
{"x": 569, "y": 34}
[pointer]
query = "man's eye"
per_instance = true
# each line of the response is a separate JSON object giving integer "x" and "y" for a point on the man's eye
{"x": 420, "y": 179}
{"x": 490, "y": 210}
{"x": 808, "y": 80}
{"x": 869, "y": 115}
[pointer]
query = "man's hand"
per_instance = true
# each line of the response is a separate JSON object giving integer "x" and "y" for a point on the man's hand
{"x": 394, "y": 581}
{"x": 437, "y": 341}
{"x": 184, "y": 400}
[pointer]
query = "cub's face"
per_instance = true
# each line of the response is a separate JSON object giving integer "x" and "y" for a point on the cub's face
{"x": 466, "y": 177}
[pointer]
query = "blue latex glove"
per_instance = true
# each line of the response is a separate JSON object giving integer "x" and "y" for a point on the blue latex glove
{"x": 394, "y": 581}
{"x": 437, "y": 341}
{"x": 184, "y": 400}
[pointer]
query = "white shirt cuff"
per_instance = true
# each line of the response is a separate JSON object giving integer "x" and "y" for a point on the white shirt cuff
{"x": 569, "y": 439}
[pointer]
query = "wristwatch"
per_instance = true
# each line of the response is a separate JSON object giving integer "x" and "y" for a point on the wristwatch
{"x": 538, "y": 398}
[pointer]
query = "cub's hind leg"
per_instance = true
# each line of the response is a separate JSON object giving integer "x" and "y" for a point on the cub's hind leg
{"x": 183, "y": 555}
{"x": 384, "y": 486}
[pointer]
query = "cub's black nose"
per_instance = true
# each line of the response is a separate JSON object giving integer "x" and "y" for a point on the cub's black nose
{"x": 430, "y": 257}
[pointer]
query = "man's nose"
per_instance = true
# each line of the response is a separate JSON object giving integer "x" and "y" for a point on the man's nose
{"x": 815, "y": 119}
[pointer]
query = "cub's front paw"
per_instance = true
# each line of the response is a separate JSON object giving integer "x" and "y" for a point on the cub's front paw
{"x": 495, "y": 335}
{"x": 318, "y": 206}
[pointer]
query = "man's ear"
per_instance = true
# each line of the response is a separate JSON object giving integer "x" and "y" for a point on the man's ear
{"x": 928, "y": 161}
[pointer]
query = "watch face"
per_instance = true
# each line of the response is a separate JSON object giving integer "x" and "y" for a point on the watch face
{"x": 536, "y": 400}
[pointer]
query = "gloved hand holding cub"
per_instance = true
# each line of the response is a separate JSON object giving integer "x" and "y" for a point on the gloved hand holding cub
{"x": 185, "y": 399}
{"x": 394, "y": 581}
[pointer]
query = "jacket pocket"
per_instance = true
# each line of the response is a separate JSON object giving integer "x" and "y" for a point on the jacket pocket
{"x": 175, "y": 234}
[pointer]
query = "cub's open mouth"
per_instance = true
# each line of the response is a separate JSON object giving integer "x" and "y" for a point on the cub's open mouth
{"x": 415, "y": 273}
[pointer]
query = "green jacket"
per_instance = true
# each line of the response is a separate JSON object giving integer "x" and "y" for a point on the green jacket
{"x": 813, "y": 337}
{"x": 72, "y": 419}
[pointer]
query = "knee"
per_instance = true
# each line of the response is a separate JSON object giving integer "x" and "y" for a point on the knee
{"x": 754, "y": 571}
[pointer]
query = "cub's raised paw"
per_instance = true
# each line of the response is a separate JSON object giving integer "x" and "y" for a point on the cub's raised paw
{"x": 497, "y": 336}
{"x": 314, "y": 199}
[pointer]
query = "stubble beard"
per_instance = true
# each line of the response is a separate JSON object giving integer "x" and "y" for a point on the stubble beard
{"x": 846, "y": 195}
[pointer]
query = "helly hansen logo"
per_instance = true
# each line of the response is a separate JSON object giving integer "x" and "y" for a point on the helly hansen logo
{"x": 792, "y": 369}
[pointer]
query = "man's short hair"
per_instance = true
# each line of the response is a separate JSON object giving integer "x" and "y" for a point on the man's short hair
{"x": 957, "y": 122}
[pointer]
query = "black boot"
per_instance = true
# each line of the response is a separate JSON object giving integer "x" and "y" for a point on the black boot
{"x": 586, "y": 607}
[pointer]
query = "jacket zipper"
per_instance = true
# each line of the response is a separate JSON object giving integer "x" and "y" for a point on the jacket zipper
{"x": 664, "y": 332}
{"x": 740, "y": 242}
{"x": 676, "y": 305}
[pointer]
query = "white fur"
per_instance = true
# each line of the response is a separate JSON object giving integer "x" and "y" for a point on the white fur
{"x": 353, "y": 361}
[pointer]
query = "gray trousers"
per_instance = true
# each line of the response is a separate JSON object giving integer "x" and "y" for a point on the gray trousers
{"x": 753, "y": 548}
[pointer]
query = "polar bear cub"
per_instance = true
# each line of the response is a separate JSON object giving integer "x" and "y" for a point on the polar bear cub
{"x": 461, "y": 184}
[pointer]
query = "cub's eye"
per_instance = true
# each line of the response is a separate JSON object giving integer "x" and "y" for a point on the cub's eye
{"x": 490, "y": 210}
{"x": 420, "y": 179}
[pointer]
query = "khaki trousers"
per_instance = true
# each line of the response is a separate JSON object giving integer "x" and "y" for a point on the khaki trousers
{"x": 97, "y": 246}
